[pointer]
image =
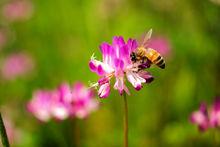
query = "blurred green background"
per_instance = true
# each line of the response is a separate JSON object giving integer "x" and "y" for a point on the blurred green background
{"x": 61, "y": 36}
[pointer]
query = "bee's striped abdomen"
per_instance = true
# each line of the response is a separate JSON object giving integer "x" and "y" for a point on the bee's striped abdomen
{"x": 160, "y": 62}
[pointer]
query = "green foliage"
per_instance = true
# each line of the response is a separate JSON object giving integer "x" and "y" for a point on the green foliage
{"x": 61, "y": 37}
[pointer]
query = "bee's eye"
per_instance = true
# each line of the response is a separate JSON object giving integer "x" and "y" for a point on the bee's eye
{"x": 133, "y": 56}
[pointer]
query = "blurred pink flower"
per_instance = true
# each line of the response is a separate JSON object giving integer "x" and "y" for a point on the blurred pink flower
{"x": 17, "y": 10}
{"x": 215, "y": 113}
{"x": 63, "y": 102}
{"x": 200, "y": 117}
{"x": 117, "y": 63}
{"x": 161, "y": 44}
{"x": 40, "y": 105}
{"x": 15, "y": 65}
{"x": 83, "y": 101}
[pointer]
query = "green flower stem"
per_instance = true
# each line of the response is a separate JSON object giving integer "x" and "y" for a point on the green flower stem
{"x": 77, "y": 133}
{"x": 125, "y": 121}
{"x": 4, "y": 137}
{"x": 216, "y": 141}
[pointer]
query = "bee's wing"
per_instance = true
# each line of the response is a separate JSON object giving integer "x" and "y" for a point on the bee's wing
{"x": 143, "y": 41}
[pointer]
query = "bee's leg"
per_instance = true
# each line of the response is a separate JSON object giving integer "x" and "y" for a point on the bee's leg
{"x": 144, "y": 59}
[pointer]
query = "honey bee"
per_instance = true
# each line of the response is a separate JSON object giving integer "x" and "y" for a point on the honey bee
{"x": 144, "y": 53}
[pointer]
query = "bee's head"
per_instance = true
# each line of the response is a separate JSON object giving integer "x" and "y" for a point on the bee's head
{"x": 133, "y": 57}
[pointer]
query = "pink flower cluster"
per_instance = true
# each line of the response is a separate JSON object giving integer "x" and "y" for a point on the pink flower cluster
{"x": 17, "y": 10}
{"x": 206, "y": 118}
{"x": 117, "y": 63}
{"x": 76, "y": 101}
{"x": 15, "y": 65}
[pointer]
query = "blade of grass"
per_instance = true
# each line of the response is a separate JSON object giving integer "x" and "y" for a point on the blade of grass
{"x": 4, "y": 137}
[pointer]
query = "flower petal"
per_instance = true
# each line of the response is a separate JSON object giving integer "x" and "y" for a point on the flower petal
{"x": 65, "y": 92}
{"x": 99, "y": 67}
{"x": 40, "y": 105}
{"x": 106, "y": 50}
{"x": 103, "y": 80}
{"x": 146, "y": 75}
{"x": 216, "y": 104}
{"x": 118, "y": 41}
{"x": 125, "y": 55}
{"x": 92, "y": 66}
{"x": 104, "y": 90}
{"x": 135, "y": 80}
{"x": 119, "y": 85}
{"x": 132, "y": 45}
{"x": 100, "y": 70}
{"x": 200, "y": 118}
{"x": 215, "y": 113}
{"x": 119, "y": 64}
{"x": 60, "y": 111}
